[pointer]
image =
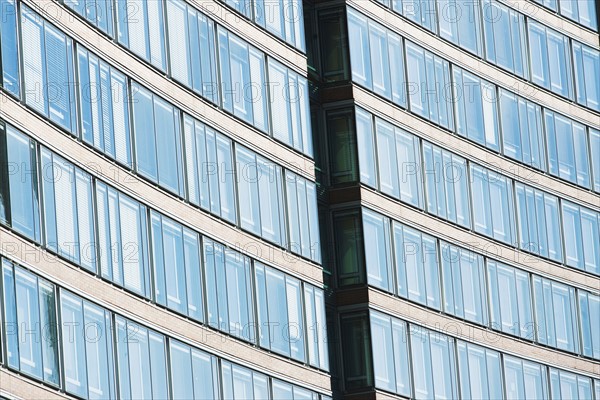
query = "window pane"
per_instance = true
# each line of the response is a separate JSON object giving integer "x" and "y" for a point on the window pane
{"x": 366, "y": 152}
{"x": 181, "y": 371}
{"x": 10, "y": 58}
{"x": 377, "y": 248}
{"x": 387, "y": 160}
{"x": 21, "y": 167}
{"x": 74, "y": 346}
{"x": 248, "y": 179}
{"x": 383, "y": 354}
{"x": 360, "y": 53}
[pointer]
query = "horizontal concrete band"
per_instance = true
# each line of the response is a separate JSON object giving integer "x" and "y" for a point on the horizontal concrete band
{"x": 155, "y": 317}
{"x": 471, "y": 63}
{"x": 171, "y": 91}
{"x": 156, "y": 198}
{"x": 469, "y": 150}
{"x": 469, "y": 332}
{"x": 475, "y": 242}
{"x": 555, "y": 21}
{"x": 17, "y": 386}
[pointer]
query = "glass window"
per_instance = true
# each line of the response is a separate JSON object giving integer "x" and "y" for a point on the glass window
{"x": 549, "y": 58}
{"x": 567, "y": 149}
{"x": 556, "y": 314}
{"x": 19, "y": 197}
{"x": 347, "y": 228}
{"x": 390, "y": 353}
{"x": 177, "y": 278}
{"x": 141, "y": 29}
{"x": 524, "y": 379}
{"x": 67, "y": 200}
{"x": 409, "y": 161}
{"x": 141, "y": 356}
{"x": 504, "y": 33}
{"x": 158, "y": 140}
{"x": 417, "y": 266}
{"x": 88, "y": 363}
{"x": 595, "y": 157}
{"x": 464, "y": 284}
{"x": 366, "y": 152}
{"x": 383, "y": 352}
{"x": 358, "y": 33}
{"x": 290, "y": 110}
{"x": 104, "y": 106}
{"x": 302, "y": 206}
{"x": 386, "y": 159}
{"x": 194, "y": 373}
{"x": 316, "y": 327}
{"x": 229, "y": 290}
{"x": 538, "y": 222}
{"x": 209, "y": 165}
{"x": 587, "y": 72}
{"x": 521, "y": 122}
{"x": 589, "y": 313}
{"x": 459, "y": 22}
{"x": 429, "y": 87}
{"x": 240, "y": 383}
{"x": 433, "y": 364}
{"x": 446, "y": 183}
{"x": 376, "y": 230}
{"x": 48, "y": 70}
{"x": 122, "y": 240}
{"x": 343, "y": 166}
{"x": 581, "y": 234}
{"x": 477, "y": 117}
{"x": 243, "y": 80}
{"x": 30, "y": 324}
{"x": 492, "y": 201}
{"x": 9, "y": 48}
{"x": 510, "y": 298}
{"x": 582, "y": 11}
{"x": 567, "y": 385}
{"x": 192, "y": 49}
{"x": 98, "y": 13}
{"x": 421, "y": 12}
{"x": 281, "y": 325}
{"x": 479, "y": 372}
{"x": 260, "y": 191}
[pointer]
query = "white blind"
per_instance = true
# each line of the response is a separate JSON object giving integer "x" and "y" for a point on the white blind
{"x": 32, "y": 60}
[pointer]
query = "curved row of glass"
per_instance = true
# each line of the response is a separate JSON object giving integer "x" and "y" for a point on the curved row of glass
{"x": 156, "y": 140}
{"x": 417, "y": 362}
{"x": 466, "y": 283}
{"x": 514, "y": 42}
{"x": 206, "y": 58}
{"x": 416, "y": 172}
{"x": 582, "y": 11}
{"x": 461, "y": 102}
{"x": 73, "y": 214}
{"x": 56, "y": 337}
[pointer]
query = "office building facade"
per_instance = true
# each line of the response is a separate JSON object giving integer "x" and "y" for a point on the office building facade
{"x": 285, "y": 200}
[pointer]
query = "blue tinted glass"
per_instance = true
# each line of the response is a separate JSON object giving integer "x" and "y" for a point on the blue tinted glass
{"x": 73, "y": 350}
{"x": 10, "y": 59}
{"x": 383, "y": 353}
{"x": 143, "y": 124}
{"x": 587, "y": 70}
{"x": 359, "y": 54}
{"x": 24, "y": 202}
{"x": 365, "y": 145}
{"x": 168, "y": 145}
{"x": 191, "y": 250}
{"x": 181, "y": 371}
{"x": 376, "y": 232}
